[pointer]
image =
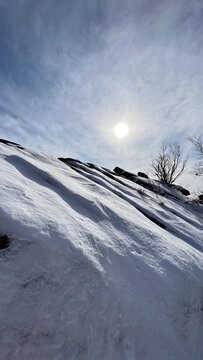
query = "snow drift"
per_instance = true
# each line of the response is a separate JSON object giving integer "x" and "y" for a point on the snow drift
{"x": 96, "y": 266}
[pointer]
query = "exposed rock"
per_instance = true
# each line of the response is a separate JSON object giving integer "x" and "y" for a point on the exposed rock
{"x": 181, "y": 189}
{"x": 134, "y": 178}
{"x": 118, "y": 170}
{"x": 70, "y": 160}
{"x": 7, "y": 142}
{"x": 126, "y": 174}
{"x": 145, "y": 185}
{"x": 4, "y": 242}
{"x": 141, "y": 174}
{"x": 200, "y": 199}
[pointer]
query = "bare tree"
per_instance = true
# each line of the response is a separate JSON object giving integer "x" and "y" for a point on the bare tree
{"x": 169, "y": 164}
{"x": 197, "y": 142}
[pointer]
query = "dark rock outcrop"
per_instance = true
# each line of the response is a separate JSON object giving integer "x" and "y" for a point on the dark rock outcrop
{"x": 128, "y": 175}
{"x": 7, "y": 142}
{"x": 200, "y": 199}
{"x": 181, "y": 189}
{"x": 4, "y": 242}
{"x": 146, "y": 185}
{"x": 141, "y": 174}
{"x": 70, "y": 160}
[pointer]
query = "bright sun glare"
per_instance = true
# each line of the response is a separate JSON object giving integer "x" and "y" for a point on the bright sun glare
{"x": 121, "y": 130}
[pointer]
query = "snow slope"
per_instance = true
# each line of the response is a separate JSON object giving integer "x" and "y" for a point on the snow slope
{"x": 96, "y": 269}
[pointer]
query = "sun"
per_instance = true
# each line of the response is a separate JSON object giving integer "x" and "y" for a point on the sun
{"x": 121, "y": 130}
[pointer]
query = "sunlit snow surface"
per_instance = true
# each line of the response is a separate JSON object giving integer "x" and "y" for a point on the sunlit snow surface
{"x": 87, "y": 275}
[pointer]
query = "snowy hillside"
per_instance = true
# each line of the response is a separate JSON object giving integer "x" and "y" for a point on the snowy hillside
{"x": 94, "y": 266}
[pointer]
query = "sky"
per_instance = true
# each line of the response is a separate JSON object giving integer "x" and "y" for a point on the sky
{"x": 70, "y": 70}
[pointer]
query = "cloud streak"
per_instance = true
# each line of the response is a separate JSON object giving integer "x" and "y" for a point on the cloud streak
{"x": 70, "y": 70}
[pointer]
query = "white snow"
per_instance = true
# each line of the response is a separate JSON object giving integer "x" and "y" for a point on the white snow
{"x": 89, "y": 273}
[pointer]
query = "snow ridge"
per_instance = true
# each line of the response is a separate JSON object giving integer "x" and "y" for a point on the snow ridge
{"x": 96, "y": 268}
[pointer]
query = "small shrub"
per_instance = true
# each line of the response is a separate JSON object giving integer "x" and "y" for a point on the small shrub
{"x": 169, "y": 164}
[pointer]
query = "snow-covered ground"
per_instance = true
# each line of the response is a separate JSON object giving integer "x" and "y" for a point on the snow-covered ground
{"x": 98, "y": 267}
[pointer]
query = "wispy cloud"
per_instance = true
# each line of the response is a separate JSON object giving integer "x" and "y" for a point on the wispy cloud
{"x": 70, "y": 70}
